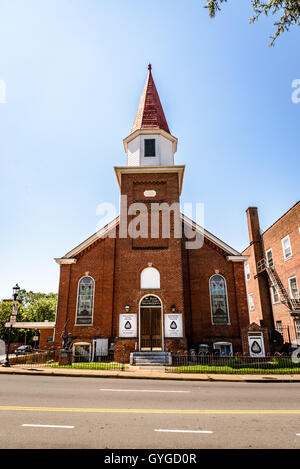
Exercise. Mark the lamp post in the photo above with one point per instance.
(13, 316)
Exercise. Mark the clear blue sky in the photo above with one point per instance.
(74, 72)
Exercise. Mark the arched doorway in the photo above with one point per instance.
(151, 324)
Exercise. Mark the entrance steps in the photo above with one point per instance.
(150, 358)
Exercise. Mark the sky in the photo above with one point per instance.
(72, 73)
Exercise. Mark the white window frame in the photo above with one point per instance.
(267, 251)
(273, 297)
(297, 330)
(251, 305)
(283, 249)
(151, 282)
(291, 291)
(218, 345)
(247, 272)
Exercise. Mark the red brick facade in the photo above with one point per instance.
(267, 311)
(116, 263)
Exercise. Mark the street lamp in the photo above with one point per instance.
(16, 290)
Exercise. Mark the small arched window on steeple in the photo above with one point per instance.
(85, 301)
(218, 300)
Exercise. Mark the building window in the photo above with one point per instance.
(294, 288)
(275, 295)
(85, 302)
(150, 278)
(251, 302)
(247, 272)
(218, 298)
(297, 329)
(82, 352)
(149, 146)
(224, 349)
(286, 247)
(269, 256)
(279, 327)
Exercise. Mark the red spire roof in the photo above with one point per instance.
(150, 114)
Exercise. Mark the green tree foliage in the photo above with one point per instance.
(34, 307)
(286, 11)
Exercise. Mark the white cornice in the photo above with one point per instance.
(32, 325)
(237, 258)
(119, 170)
(62, 260)
(138, 132)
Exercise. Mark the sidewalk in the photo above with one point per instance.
(140, 373)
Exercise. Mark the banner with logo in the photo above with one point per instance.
(128, 325)
(256, 345)
(173, 325)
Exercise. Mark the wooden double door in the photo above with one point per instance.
(151, 329)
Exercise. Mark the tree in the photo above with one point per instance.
(33, 307)
(288, 11)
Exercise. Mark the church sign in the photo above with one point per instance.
(173, 325)
(256, 345)
(128, 325)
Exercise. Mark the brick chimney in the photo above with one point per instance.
(258, 252)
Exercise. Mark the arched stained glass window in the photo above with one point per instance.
(218, 298)
(85, 302)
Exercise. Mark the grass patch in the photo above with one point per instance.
(235, 370)
(90, 366)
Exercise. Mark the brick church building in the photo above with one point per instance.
(133, 291)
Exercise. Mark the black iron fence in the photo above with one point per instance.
(233, 365)
(50, 359)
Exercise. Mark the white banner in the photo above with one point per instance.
(128, 325)
(256, 345)
(173, 325)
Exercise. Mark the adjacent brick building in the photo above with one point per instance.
(272, 274)
(132, 287)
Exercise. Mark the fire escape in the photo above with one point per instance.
(293, 304)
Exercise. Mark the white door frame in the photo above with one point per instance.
(161, 314)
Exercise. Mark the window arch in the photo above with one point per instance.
(218, 300)
(85, 301)
(150, 278)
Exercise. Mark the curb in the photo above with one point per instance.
(123, 375)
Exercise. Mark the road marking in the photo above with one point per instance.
(297, 434)
(151, 411)
(183, 431)
(138, 390)
(46, 426)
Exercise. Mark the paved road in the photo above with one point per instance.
(63, 412)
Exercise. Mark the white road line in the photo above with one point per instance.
(138, 390)
(297, 434)
(47, 426)
(183, 431)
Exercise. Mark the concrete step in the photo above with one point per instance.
(150, 358)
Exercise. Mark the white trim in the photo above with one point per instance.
(272, 288)
(91, 324)
(224, 343)
(211, 312)
(161, 312)
(162, 132)
(291, 292)
(62, 260)
(282, 243)
(237, 258)
(247, 272)
(32, 325)
(119, 170)
(251, 306)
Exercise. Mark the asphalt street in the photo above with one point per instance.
(84, 413)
